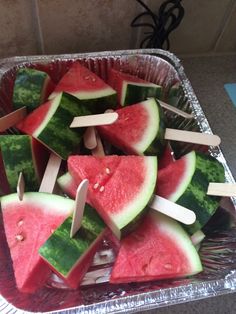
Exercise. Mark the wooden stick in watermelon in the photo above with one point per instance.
(173, 210)
(98, 150)
(50, 175)
(20, 186)
(12, 118)
(80, 200)
(175, 110)
(222, 189)
(90, 140)
(121, 132)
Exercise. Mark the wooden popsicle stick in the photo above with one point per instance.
(90, 140)
(222, 189)
(80, 200)
(20, 188)
(12, 118)
(173, 210)
(192, 137)
(176, 110)
(94, 120)
(98, 150)
(50, 174)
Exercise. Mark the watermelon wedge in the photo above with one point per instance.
(50, 124)
(158, 249)
(82, 83)
(186, 182)
(31, 88)
(139, 129)
(120, 187)
(132, 89)
(28, 224)
(69, 257)
(22, 153)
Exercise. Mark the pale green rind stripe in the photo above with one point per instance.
(152, 129)
(47, 202)
(54, 105)
(174, 231)
(189, 170)
(137, 205)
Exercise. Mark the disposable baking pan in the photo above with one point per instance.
(96, 295)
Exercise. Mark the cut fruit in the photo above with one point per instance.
(22, 153)
(166, 158)
(50, 124)
(139, 129)
(120, 187)
(186, 182)
(132, 89)
(28, 224)
(68, 257)
(158, 249)
(85, 85)
(31, 88)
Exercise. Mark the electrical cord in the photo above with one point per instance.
(169, 17)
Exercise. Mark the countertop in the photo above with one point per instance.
(208, 74)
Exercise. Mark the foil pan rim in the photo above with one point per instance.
(157, 298)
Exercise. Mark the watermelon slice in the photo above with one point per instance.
(120, 187)
(132, 89)
(80, 82)
(69, 257)
(31, 88)
(186, 182)
(22, 153)
(158, 249)
(50, 124)
(166, 158)
(28, 224)
(139, 129)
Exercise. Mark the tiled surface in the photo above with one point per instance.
(17, 28)
(200, 26)
(95, 25)
(79, 26)
(227, 43)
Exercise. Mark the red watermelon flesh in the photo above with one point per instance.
(35, 118)
(82, 83)
(158, 249)
(137, 128)
(171, 177)
(166, 158)
(28, 224)
(119, 186)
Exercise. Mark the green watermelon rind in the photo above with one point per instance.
(177, 233)
(64, 253)
(55, 132)
(28, 88)
(207, 169)
(133, 93)
(17, 155)
(46, 200)
(135, 207)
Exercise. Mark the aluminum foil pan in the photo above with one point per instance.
(96, 295)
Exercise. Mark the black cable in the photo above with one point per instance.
(169, 17)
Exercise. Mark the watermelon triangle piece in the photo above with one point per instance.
(186, 181)
(82, 83)
(28, 224)
(120, 187)
(132, 89)
(158, 249)
(139, 129)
